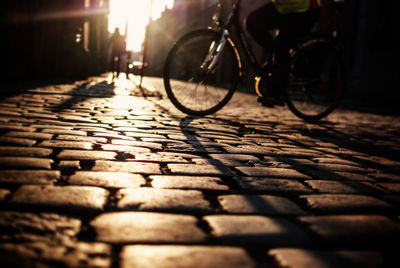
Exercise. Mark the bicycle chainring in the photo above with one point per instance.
(261, 85)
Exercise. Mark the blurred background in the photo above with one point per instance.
(52, 40)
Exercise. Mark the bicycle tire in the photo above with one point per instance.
(188, 88)
(316, 80)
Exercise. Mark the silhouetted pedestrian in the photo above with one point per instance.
(117, 45)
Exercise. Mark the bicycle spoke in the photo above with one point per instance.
(190, 85)
(315, 81)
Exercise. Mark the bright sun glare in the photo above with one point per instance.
(134, 14)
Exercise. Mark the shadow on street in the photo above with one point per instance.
(85, 91)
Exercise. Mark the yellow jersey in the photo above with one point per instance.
(295, 6)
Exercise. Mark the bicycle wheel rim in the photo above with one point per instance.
(190, 89)
(315, 82)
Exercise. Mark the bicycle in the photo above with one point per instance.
(204, 67)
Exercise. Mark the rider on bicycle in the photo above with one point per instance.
(293, 19)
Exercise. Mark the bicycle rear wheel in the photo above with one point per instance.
(315, 84)
(191, 86)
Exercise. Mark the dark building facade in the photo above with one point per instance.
(375, 72)
(45, 39)
(368, 39)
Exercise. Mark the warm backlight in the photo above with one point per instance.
(135, 14)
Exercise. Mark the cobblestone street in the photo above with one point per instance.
(103, 174)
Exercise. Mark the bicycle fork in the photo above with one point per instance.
(214, 53)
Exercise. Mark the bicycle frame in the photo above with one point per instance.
(233, 20)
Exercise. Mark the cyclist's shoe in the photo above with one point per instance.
(268, 101)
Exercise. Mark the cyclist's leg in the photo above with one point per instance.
(118, 65)
(259, 24)
(111, 66)
(292, 28)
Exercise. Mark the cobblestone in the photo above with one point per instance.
(125, 148)
(188, 182)
(15, 127)
(81, 138)
(25, 162)
(185, 256)
(24, 151)
(158, 157)
(337, 175)
(4, 193)
(30, 135)
(43, 255)
(215, 162)
(328, 203)
(146, 227)
(147, 199)
(44, 227)
(253, 230)
(236, 157)
(272, 172)
(67, 197)
(66, 144)
(386, 176)
(354, 229)
(94, 175)
(134, 167)
(69, 165)
(17, 141)
(150, 145)
(259, 204)
(29, 176)
(342, 168)
(202, 170)
(250, 149)
(254, 184)
(189, 148)
(291, 257)
(64, 131)
(393, 187)
(86, 155)
(344, 187)
(107, 179)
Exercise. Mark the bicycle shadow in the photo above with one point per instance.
(11, 89)
(360, 152)
(360, 141)
(364, 153)
(353, 145)
(227, 176)
(363, 147)
(84, 91)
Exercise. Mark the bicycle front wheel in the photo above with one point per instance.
(316, 80)
(196, 84)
